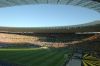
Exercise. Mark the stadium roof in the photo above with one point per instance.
(91, 4)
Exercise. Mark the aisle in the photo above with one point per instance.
(75, 60)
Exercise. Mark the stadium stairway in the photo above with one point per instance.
(75, 60)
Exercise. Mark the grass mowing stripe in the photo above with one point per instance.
(29, 58)
(43, 58)
(17, 49)
(61, 60)
(48, 61)
(26, 53)
(57, 58)
(26, 57)
(37, 57)
(7, 54)
(13, 54)
(13, 58)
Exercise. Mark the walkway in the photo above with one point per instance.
(75, 60)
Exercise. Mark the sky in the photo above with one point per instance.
(46, 15)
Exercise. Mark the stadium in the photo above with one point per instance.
(75, 45)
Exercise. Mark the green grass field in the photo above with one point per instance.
(35, 56)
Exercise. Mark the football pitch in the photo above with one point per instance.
(35, 56)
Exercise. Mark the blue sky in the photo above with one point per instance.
(46, 15)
